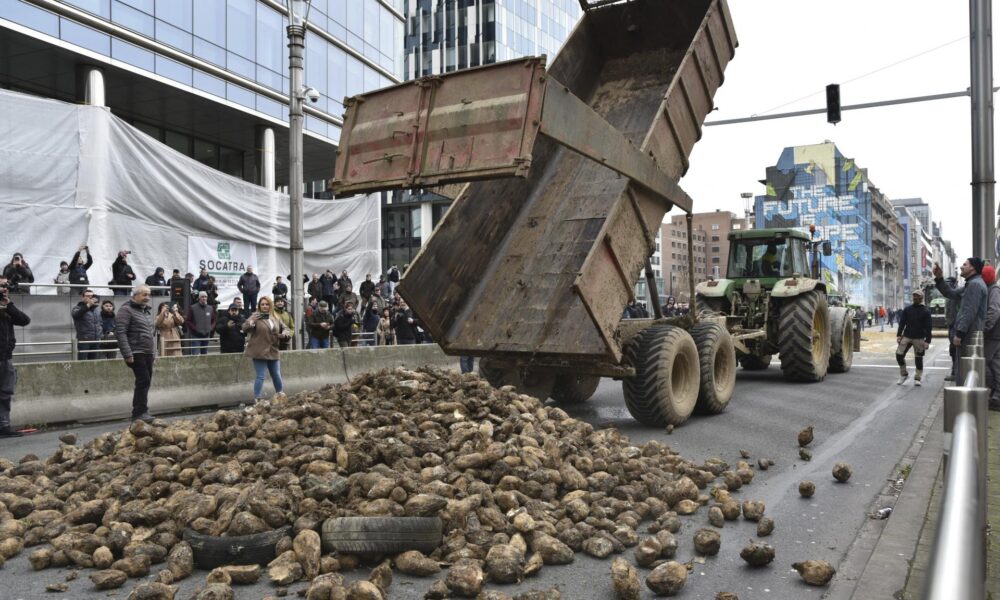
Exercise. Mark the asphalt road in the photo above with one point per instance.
(862, 418)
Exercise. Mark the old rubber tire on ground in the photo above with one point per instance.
(574, 389)
(381, 535)
(211, 551)
(755, 363)
(664, 390)
(533, 383)
(804, 337)
(841, 340)
(717, 365)
(712, 305)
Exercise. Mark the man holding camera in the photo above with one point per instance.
(18, 273)
(122, 274)
(136, 340)
(9, 317)
(89, 327)
(231, 337)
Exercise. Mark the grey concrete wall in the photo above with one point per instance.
(96, 390)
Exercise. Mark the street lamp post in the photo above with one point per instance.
(298, 12)
(746, 208)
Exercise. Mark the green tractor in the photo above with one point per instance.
(775, 303)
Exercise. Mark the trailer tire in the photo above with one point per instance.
(381, 535)
(749, 362)
(664, 389)
(574, 389)
(804, 337)
(842, 340)
(717, 365)
(210, 551)
(713, 305)
(532, 383)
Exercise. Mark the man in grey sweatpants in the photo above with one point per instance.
(972, 310)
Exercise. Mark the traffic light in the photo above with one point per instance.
(833, 103)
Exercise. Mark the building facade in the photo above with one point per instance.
(208, 78)
(817, 185)
(441, 36)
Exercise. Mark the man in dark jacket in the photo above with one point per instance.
(201, 283)
(135, 332)
(158, 280)
(393, 278)
(122, 273)
(991, 340)
(972, 299)
(249, 286)
(343, 325)
(79, 265)
(914, 330)
(369, 323)
(87, 320)
(328, 283)
(200, 323)
(9, 317)
(319, 325)
(279, 289)
(18, 273)
(231, 338)
(315, 287)
(405, 325)
(108, 342)
(367, 288)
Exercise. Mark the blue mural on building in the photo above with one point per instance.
(817, 185)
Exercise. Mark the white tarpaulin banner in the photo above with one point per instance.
(225, 260)
(72, 175)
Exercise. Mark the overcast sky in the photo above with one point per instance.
(789, 49)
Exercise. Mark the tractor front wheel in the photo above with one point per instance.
(804, 337)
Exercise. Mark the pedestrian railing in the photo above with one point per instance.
(958, 555)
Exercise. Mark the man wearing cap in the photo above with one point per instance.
(231, 336)
(319, 325)
(991, 337)
(200, 324)
(914, 330)
(972, 298)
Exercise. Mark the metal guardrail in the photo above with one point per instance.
(958, 555)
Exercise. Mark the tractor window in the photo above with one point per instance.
(801, 263)
(760, 258)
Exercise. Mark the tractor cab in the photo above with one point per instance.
(767, 254)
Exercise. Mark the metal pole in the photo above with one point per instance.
(958, 558)
(296, 45)
(692, 309)
(652, 292)
(981, 62)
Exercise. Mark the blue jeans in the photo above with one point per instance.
(315, 342)
(467, 363)
(199, 345)
(262, 367)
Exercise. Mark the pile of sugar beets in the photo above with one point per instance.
(517, 486)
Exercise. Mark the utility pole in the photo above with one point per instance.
(746, 209)
(298, 11)
(981, 62)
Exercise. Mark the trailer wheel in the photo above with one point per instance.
(842, 340)
(750, 362)
(804, 337)
(532, 383)
(664, 390)
(704, 303)
(574, 389)
(717, 364)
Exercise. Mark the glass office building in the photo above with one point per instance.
(446, 35)
(207, 77)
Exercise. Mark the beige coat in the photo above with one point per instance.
(167, 324)
(263, 337)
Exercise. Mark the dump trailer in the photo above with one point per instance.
(572, 167)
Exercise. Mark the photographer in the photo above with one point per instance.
(18, 273)
(168, 322)
(122, 273)
(79, 265)
(9, 317)
(230, 330)
(89, 325)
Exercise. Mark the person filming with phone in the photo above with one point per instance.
(264, 333)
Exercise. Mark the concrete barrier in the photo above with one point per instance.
(98, 390)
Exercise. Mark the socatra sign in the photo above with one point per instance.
(225, 260)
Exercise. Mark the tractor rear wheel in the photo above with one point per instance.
(750, 362)
(574, 389)
(717, 364)
(804, 337)
(664, 390)
(842, 340)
